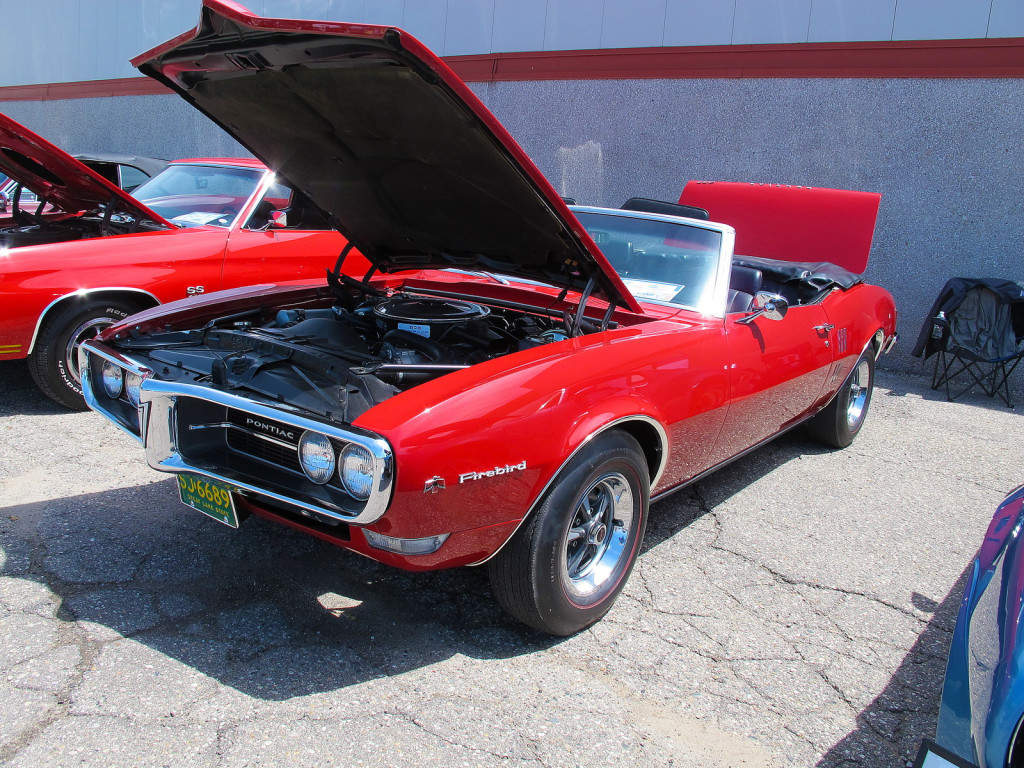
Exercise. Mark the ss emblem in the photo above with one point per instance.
(192, 290)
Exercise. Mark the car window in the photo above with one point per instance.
(278, 195)
(658, 260)
(107, 170)
(131, 177)
(299, 212)
(194, 195)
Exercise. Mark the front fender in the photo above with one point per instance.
(480, 446)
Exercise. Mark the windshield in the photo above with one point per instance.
(194, 195)
(663, 261)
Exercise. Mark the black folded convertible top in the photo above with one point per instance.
(819, 275)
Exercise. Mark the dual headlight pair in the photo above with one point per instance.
(117, 381)
(354, 464)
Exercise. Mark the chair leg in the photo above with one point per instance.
(936, 378)
(1001, 385)
(966, 366)
(993, 378)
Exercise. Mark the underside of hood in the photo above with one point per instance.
(792, 223)
(59, 178)
(382, 136)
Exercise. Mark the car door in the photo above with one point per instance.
(260, 251)
(778, 369)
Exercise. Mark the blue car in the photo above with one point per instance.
(983, 695)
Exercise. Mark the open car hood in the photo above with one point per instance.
(59, 178)
(792, 223)
(411, 167)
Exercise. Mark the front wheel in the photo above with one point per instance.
(839, 422)
(54, 361)
(565, 566)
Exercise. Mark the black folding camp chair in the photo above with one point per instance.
(976, 331)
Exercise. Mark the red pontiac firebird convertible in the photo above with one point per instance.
(515, 380)
(87, 254)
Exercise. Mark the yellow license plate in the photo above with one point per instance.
(209, 497)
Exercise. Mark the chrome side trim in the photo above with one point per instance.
(662, 434)
(82, 293)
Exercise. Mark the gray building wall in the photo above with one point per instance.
(945, 154)
(73, 40)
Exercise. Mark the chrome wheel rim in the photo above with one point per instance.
(858, 400)
(87, 330)
(597, 541)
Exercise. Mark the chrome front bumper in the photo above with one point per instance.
(185, 427)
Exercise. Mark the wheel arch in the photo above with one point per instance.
(647, 431)
(137, 296)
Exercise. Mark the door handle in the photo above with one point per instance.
(825, 327)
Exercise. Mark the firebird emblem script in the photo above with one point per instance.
(492, 472)
(436, 483)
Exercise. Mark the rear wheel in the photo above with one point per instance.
(840, 421)
(565, 566)
(54, 361)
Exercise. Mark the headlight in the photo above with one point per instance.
(132, 385)
(316, 454)
(356, 471)
(113, 379)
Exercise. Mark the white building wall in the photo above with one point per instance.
(74, 40)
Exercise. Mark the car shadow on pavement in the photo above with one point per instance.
(266, 610)
(673, 513)
(889, 730)
(21, 396)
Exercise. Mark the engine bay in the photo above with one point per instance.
(45, 225)
(340, 361)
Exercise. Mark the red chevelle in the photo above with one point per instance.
(88, 254)
(514, 380)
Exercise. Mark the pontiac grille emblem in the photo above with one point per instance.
(268, 428)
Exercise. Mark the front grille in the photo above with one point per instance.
(254, 446)
(259, 448)
(253, 449)
(263, 438)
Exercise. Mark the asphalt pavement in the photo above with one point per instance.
(794, 609)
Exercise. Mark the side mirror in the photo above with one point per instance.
(771, 306)
(278, 220)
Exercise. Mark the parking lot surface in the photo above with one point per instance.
(794, 609)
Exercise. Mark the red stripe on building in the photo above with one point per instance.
(994, 58)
